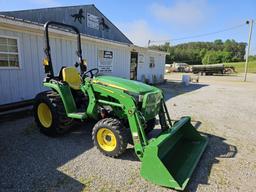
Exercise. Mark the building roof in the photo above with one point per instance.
(28, 26)
(24, 24)
(87, 18)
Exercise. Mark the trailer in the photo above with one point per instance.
(212, 69)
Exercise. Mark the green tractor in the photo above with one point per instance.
(126, 112)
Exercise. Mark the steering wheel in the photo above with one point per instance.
(91, 72)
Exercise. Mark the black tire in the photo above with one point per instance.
(60, 123)
(150, 124)
(119, 134)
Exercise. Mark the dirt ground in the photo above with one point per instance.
(223, 107)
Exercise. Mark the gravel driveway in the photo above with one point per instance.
(222, 107)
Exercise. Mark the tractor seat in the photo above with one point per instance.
(71, 76)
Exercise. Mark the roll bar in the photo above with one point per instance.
(47, 49)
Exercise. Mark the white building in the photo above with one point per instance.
(22, 44)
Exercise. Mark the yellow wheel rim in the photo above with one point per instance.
(44, 115)
(106, 139)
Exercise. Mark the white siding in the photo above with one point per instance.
(24, 83)
(144, 69)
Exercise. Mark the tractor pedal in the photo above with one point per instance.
(78, 115)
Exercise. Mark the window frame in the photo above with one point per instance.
(19, 52)
(152, 65)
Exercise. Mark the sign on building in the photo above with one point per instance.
(93, 21)
(105, 61)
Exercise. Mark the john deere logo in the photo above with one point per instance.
(78, 16)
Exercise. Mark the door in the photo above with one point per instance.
(133, 65)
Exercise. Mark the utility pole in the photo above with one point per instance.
(248, 49)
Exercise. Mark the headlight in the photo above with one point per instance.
(136, 96)
(141, 98)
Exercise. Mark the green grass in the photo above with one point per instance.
(239, 66)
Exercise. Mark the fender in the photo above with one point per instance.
(65, 93)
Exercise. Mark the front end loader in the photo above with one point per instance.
(126, 112)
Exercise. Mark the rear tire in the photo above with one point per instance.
(50, 115)
(109, 136)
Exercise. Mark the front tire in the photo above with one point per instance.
(49, 115)
(109, 136)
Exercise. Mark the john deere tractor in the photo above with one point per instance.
(126, 111)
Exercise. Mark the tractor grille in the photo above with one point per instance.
(151, 104)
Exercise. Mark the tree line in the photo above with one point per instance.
(204, 52)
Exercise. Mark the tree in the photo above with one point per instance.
(226, 57)
(218, 42)
(197, 52)
(213, 57)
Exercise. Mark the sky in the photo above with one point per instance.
(166, 20)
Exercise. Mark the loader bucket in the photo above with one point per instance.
(170, 159)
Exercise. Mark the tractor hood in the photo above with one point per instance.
(124, 84)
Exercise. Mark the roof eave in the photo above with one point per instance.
(38, 26)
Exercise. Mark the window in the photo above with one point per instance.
(9, 53)
(151, 62)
